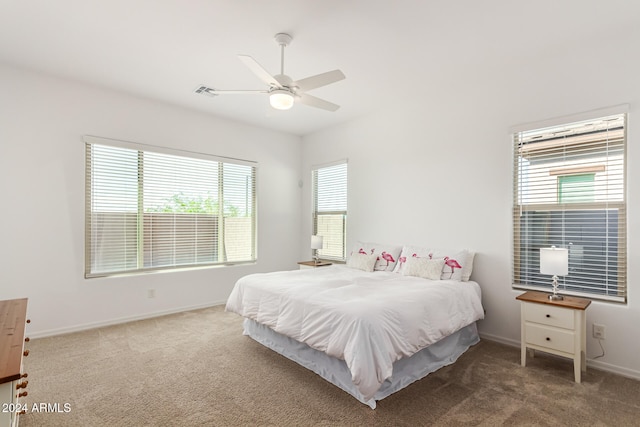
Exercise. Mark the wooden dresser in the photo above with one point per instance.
(13, 382)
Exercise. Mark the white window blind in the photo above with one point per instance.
(330, 209)
(150, 210)
(569, 184)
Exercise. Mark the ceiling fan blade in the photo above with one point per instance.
(312, 101)
(260, 72)
(236, 92)
(319, 80)
(209, 91)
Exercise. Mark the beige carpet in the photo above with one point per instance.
(196, 369)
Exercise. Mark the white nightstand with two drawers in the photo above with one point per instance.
(556, 327)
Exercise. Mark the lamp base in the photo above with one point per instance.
(554, 296)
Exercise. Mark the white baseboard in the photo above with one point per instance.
(603, 366)
(592, 363)
(501, 340)
(94, 325)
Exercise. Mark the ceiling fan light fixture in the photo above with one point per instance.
(281, 99)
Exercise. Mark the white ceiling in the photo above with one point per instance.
(389, 50)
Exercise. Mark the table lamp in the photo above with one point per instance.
(554, 261)
(316, 243)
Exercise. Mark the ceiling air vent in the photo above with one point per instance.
(204, 90)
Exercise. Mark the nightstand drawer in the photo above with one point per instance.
(555, 339)
(549, 315)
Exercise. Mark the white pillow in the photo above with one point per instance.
(411, 252)
(363, 262)
(386, 255)
(458, 265)
(424, 267)
(468, 267)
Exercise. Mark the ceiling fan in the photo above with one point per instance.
(283, 90)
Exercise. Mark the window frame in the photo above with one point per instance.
(142, 213)
(325, 253)
(617, 255)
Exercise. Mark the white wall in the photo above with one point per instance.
(42, 120)
(436, 170)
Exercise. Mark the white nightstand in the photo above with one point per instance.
(312, 264)
(556, 327)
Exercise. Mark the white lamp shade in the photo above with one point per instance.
(316, 242)
(554, 261)
(281, 99)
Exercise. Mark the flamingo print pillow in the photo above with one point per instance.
(386, 255)
(453, 264)
(453, 261)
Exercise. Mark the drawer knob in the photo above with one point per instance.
(28, 320)
(548, 339)
(548, 315)
(25, 375)
(23, 394)
(25, 353)
(24, 411)
(22, 385)
(27, 339)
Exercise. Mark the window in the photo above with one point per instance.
(150, 208)
(576, 188)
(569, 191)
(330, 209)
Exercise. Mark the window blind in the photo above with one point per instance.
(150, 210)
(330, 209)
(569, 192)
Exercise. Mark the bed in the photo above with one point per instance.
(369, 329)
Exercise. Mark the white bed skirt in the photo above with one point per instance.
(405, 371)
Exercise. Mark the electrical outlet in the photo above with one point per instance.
(598, 331)
(151, 293)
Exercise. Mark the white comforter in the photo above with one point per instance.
(369, 320)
